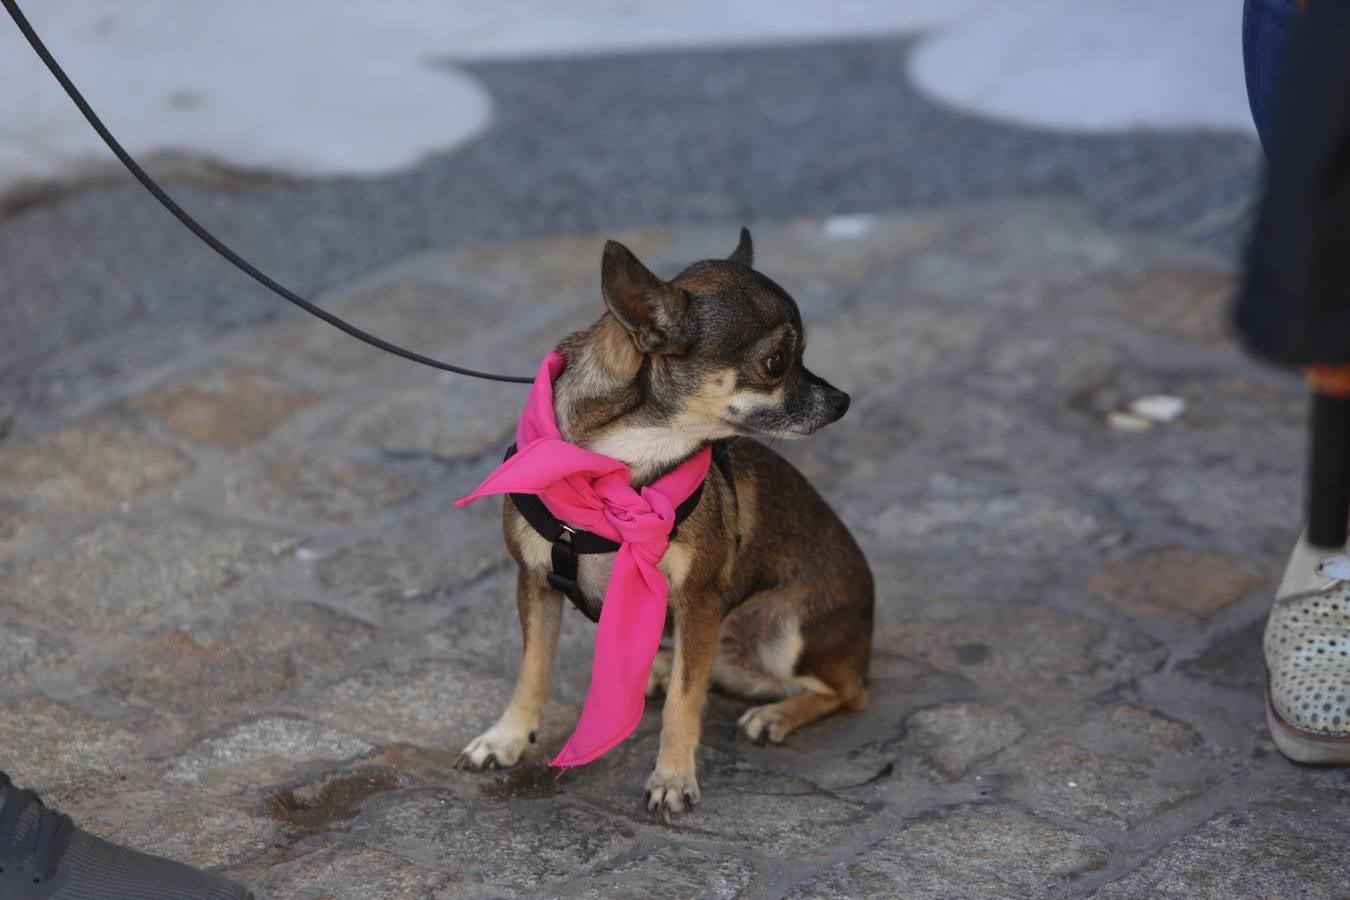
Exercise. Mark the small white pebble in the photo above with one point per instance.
(849, 227)
(1123, 421)
(1159, 407)
(1337, 567)
(1073, 784)
(304, 554)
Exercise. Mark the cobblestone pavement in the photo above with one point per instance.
(246, 628)
(691, 136)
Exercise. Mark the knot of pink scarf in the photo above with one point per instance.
(593, 492)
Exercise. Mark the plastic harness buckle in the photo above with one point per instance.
(563, 577)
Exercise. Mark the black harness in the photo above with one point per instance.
(570, 543)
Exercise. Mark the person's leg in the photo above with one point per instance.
(1266, 25)
(1307, 637)
(43, 856)
(1328, 483)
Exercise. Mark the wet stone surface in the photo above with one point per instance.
(1189, 302)
(970, 851)
(416, 559)
(245, 626)
(1171, 581)
(159, 817)
(955, 736)
(1043, 654)
(264, 749)
(1061, 778)
(321, 489)
(24, 650)
(89, 466)
(133, 571)
(434, 421)
(671, 872)
(347, 872)
(538, 845)
(1259, 851)
(204, 671)
(58, 746)
(228, 408)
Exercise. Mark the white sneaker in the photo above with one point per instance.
(1307, 648)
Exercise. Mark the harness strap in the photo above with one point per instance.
(569, 543)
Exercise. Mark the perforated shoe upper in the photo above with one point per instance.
(1307, 649)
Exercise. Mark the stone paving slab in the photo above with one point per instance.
(244, 626)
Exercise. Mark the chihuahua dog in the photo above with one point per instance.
(770, 596)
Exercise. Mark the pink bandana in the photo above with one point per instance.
(594, 493)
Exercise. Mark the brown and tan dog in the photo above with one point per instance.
(770, 597)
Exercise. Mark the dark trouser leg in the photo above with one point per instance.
(1328, 500)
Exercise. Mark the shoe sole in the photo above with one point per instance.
(1304, 746)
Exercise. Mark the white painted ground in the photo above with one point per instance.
(1093, 65)
(280, 85)
(323, 88)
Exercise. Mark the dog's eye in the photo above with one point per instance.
(776, 364)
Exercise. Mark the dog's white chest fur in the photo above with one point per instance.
(593, 571)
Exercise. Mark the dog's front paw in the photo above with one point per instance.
(671, 793)
(765, 723)
(495, 748)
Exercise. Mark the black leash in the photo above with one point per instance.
(210, 239)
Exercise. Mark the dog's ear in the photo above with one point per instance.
(745, 250)
(655, 313)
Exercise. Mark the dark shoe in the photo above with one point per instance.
(43, 856)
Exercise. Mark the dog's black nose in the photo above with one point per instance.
(838, 402)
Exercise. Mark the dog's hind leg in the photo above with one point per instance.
(540, 610)
(659, 677)
(775, 721)
(765, 653)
